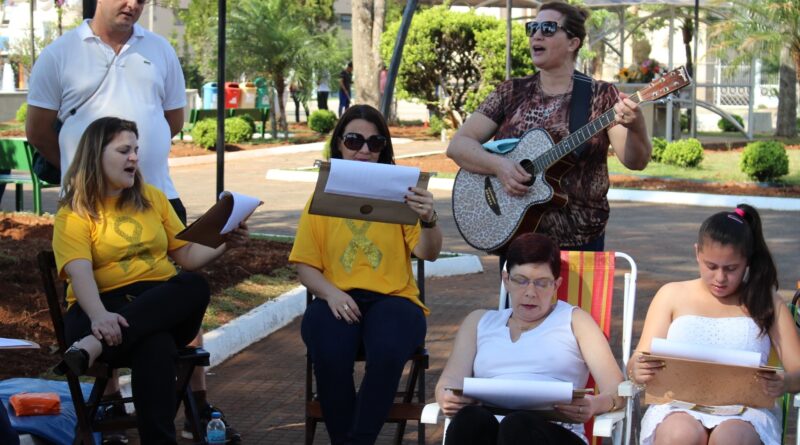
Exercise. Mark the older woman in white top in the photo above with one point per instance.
(538, 338)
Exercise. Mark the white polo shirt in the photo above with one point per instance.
(144, 81)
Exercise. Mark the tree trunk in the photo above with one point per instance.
(368, 25)
(283, 124)
(787, 96)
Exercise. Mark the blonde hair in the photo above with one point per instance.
(84, 182)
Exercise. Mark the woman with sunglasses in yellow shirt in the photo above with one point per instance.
(366, 296)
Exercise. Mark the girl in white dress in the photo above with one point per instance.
(734, 304)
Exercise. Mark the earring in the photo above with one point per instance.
(746, 275)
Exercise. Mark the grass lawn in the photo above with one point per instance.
(717, 166)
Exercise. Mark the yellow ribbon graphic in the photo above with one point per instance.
(362, 243)
(136, 250)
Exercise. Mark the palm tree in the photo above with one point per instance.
(766, 27)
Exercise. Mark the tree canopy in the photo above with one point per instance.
(452, 60)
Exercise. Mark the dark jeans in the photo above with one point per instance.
(322, 100)
(344, 102)
(390, 330)
(8, 436)
(477, 425)
(177, 205)
(162, 317)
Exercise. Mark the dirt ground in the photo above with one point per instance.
(23, 306)
(441, 163)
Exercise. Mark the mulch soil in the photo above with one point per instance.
(23, 306)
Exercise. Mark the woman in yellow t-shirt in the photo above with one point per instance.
(113, 239)
(361, 274)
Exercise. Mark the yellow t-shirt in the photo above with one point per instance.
(123, 246)
(355, 254)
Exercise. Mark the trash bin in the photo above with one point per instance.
(249, 91)
(233, 95)
(210, 95)
(262, 93)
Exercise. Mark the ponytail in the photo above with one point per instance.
(742, 229)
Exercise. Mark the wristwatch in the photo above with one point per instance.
(429, 224)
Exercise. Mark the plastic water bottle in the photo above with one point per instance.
(215, 432)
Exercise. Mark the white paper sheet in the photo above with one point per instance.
(16, 343)
(371, 179)
(243, 206)
(518, 394)
(671, 348)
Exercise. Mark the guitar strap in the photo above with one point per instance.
(580, 105)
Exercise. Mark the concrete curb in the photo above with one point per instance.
(260, 153)
(651, 196)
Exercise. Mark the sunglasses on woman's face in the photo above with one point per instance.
(355, 141)
(548, 28)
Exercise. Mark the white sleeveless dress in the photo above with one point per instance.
(547, 352)
(727, 332)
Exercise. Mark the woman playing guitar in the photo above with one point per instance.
(543, 101)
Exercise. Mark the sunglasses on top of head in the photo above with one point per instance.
(549, 28)
(355, 141)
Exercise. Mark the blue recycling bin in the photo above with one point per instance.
(210, 95)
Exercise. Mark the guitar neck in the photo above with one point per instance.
(576, 139)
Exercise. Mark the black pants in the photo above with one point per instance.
(8, 436)
(476, 425)
(162, 317)
(322, 100)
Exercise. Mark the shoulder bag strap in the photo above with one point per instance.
(580, 105)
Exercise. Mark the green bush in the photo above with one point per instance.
(204, 133)
(250, 121)
(238, 130)
(764, 160)
(22, 112)
(684, 122)
(322, 121)
(725, 125)
(683, 153)
(436, 125)
(659, 145)
(326, 149)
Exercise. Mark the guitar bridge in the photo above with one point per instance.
(491, 196)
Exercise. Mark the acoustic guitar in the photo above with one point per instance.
(489, 218)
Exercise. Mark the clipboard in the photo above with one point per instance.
(206, 229)
(706, 383)
(367, 209)
(549, 414)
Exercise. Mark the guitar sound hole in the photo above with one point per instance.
(528, 166)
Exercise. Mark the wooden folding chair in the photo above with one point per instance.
(588, 282)
(86, 409)
(405, 408)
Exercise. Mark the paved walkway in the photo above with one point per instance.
(261, 388)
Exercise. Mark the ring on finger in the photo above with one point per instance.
(580, 410)
(346, 307)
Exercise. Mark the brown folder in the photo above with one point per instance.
(706, 383)
(367, 209)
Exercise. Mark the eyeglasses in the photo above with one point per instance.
(355, 141)
(548, 28)
(521, 282)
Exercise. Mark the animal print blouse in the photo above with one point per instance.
(518, 105)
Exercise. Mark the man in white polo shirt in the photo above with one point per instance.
(110, 66)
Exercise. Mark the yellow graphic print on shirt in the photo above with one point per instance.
(360, 242)
(136, 250)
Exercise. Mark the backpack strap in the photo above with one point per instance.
(580, 105)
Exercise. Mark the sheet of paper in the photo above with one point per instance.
(16, 343)
(518, 394)
(371, 180)
(671, 348)
(243, 206)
